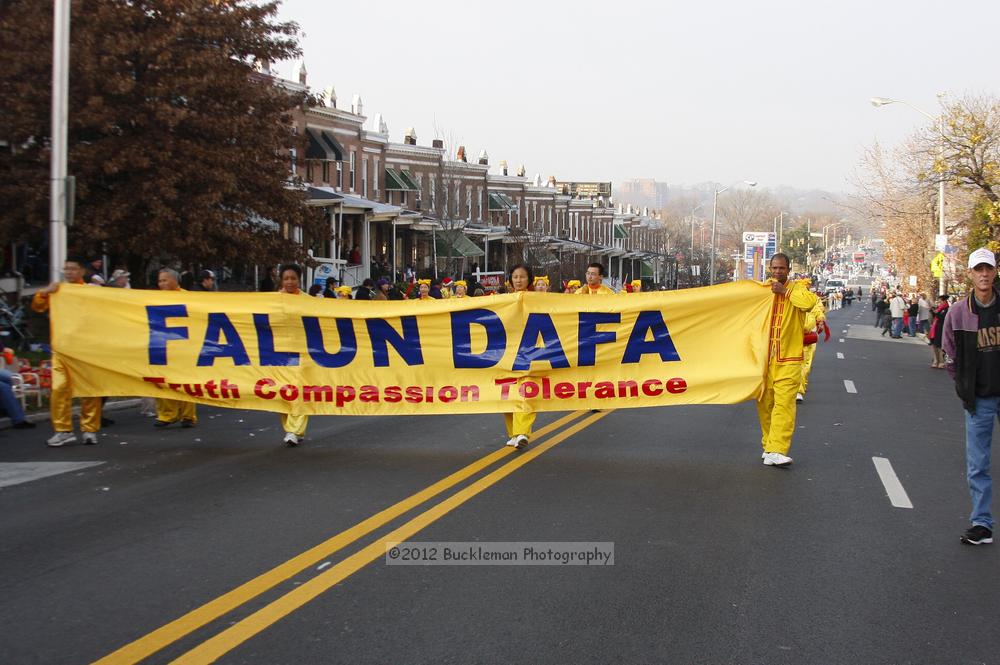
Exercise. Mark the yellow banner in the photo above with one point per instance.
(515, 352)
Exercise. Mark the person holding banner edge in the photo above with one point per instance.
(61, 401)
(776, 405)
(519, 423)
(595, 281)
(290, 279)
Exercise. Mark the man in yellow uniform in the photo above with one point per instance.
(595, 281)
(61, 402)
(814, 323)
(169, 411)
(776, 406)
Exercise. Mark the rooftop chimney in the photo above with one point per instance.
(520, 170)
(330, 97)
(551, 182)
(300, 71)
(357, 106)
(437, 143)
(263, 66)
(503, 166)
(484, 159)
(411, 136)
(461, 154)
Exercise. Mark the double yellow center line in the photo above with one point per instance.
(220, 644)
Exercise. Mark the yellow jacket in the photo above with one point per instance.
(815, 315)
(587, 291)
(788, 320)
(40, 301)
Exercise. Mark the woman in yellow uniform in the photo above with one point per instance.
(461, 289)
(572, 285)
(813, 323)
(169, 411)
(542, 283)
(290, 279)
(519, 423)
(424, 289)
(343, 293)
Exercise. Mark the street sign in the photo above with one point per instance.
(940, 242)
(913, 280)
(937, 265)
(758, 248)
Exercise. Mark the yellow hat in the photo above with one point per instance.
(636, 282)
(344, 289)
(542, 278)
(461, 282)
(424, 281)
(573, 283)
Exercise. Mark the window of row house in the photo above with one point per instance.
(458, 201)
(364, 177)
(326, 172)
(468, 202)
(433, 193)
(353, 162)
(340, 175)
(291, 157)
(309, 170)
(375, 173)
(479, 201)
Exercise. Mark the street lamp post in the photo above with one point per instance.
(60, 124)
(883, 101)
(715, 210)
(691, 256)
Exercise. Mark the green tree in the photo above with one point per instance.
(179, 148)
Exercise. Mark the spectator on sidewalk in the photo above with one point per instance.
(923, 314)
(972, 344)
(9, 402)
(896, 308)
(936, 332)
(913, 311)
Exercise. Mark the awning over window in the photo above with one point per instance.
(620, 232)
(451, 244)
(392, 181)
(647, 269)
(323, 146)
(408, 180)
(501, 203)
(540, 256)
(334, 144)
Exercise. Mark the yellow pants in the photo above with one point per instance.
(519, 422)
(776, 407)
(807, 362)
(61, 403)
(172, 410)
(296, 424)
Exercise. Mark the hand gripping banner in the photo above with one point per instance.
(515, 352)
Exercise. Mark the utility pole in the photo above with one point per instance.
(58, 203)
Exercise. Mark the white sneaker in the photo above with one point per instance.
(90, 438)
(61, 439)
(799, 397)
(520, 441)
(776, 459)
(291, 439)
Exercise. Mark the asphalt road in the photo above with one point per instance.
(717, 559)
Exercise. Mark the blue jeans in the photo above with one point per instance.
(8, 402)
(897, 326)
(978, 437)
(913, 326)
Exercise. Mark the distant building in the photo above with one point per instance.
(585, 190)
(644, 192)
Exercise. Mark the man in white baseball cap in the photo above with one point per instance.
(972, 342)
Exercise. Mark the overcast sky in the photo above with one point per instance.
(683, 92)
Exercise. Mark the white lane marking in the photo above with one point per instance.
(848, 325)
(841, 340)
(849, 385)
(843, 332)
(840, 356)
(897, 495)
(15, 473)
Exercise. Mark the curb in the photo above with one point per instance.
(46, 416)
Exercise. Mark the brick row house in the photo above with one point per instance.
(404, 209)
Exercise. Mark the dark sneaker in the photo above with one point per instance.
(160, 423)
(187, 423)
(977, 535)
(24, 424)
